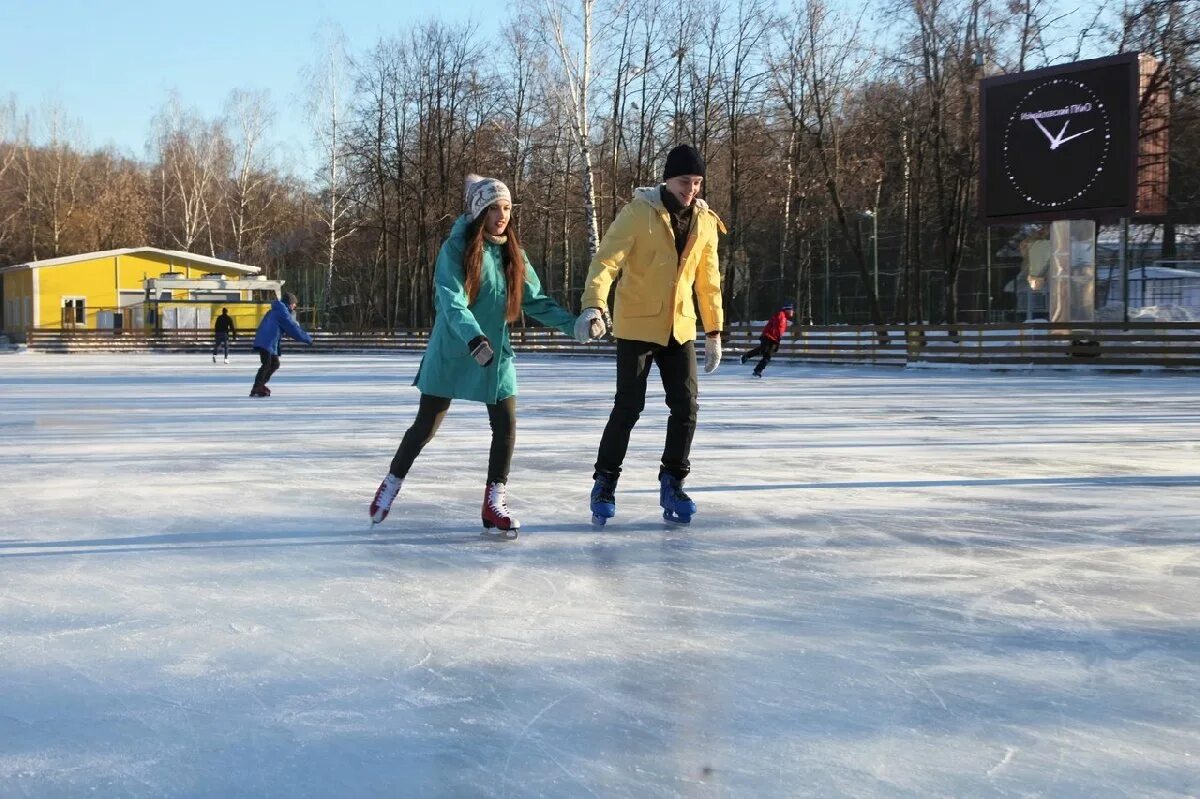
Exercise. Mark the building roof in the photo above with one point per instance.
(179, 255)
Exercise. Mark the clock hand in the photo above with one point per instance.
(1074, 135)
(1049, 136)
(1058, 140)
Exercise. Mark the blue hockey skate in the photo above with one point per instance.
(677, 506)
(604, 501)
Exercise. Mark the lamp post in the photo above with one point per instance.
(988, 272)
(825, 295)
(875, 249)
(871, 214)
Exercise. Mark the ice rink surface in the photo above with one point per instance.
(900, 583)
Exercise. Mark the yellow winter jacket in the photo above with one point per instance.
(654, 292)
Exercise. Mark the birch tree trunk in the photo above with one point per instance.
(578, 84)
(327, 98)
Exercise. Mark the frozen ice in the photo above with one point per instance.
(900, 583)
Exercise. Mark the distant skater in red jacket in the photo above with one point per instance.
(772, 334)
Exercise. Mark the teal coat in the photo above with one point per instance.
(448, 370)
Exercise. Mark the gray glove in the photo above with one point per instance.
(591, 324)
(481, 350)
(712, 353)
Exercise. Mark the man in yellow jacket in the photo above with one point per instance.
(662, 246)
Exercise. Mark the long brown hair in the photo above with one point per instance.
(514, 266)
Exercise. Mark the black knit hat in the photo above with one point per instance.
(683, 160)
(289, 299)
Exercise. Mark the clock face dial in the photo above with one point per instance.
(1060, 143)
(1057, 143)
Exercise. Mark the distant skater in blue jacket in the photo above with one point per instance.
(280, 321)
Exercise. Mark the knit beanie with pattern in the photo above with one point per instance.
(482, 192)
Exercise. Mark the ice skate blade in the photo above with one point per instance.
(674, 518)
(495, 533)
(598, 520)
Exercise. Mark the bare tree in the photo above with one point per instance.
(788, 71)
(119, 207)
(742, 75)
(53, 176)
(834, 65)
(1169, 30)
(943, 47)
(248, 117)
(443, 89)
(1036, 21)
(705, 77)
(372, 149)
(327, 105)
(191, 157)
(519, 99)
(652, 91)
(622, 73)
(574, 86)
(9, 209)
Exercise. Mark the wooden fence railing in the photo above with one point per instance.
(1099, 344)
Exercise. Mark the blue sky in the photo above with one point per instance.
(111, 64)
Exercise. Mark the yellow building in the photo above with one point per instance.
(141, 288)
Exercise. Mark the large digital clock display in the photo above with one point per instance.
(1060, 143)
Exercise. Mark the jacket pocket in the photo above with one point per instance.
(637, 307)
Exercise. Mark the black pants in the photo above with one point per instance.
(270, 365)
(766, 348)
(677, 367)
(502, 416)
(221, 341)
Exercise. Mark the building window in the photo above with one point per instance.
(74, 311)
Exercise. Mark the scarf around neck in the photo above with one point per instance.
(681, 218)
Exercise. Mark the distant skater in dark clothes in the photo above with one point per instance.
(223, 330)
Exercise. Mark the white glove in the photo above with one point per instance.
(712, 353)
(590, 325)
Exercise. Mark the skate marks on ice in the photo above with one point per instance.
(900, 620)
(169, 542)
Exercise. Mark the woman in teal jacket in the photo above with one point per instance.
(482, 283)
